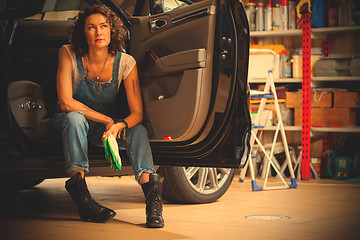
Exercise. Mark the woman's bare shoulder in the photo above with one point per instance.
(127, 56)
(66, 52)
(127, 60)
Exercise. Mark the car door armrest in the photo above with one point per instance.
(178, 62)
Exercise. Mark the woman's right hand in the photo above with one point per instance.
(109, 124)
(113, 130)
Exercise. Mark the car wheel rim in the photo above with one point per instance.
(206, 180)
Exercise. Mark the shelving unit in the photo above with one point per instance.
(336, 78)
(318, 129)
(317, 34)
(276, 80)
(336, 130)
(287, 33)
(336, 29)
(286, 128)
(298, 32)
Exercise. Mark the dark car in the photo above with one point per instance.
(192, 58)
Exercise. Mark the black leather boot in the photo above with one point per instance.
(152, 193)
(87, 207)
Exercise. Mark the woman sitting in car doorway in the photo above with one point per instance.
(90, 71)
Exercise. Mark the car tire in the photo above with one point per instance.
(182, 185)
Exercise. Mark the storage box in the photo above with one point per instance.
(346, 99)
(260, 64)
(318, 99)
(328, 116)
(337, 65)
(342, 167)
(266, 120)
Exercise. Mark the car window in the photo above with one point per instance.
(55, 15)
(129, 5)
(59, 10)
(168, 5)
(150, 7)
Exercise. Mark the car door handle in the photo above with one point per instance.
(157, 24)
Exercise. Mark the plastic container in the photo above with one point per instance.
(268, 17)
(297, 61)
(266, 63)
(276, 17)
(292, 14)
(288, 68)
(284, 15)
(250, 13)
(316, 54)
(297, 66)
(284, 71)
(260, 17)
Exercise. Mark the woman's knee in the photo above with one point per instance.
(139, 131)
(75, 117)
(74, 120)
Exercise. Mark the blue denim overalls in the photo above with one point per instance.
(76, 131)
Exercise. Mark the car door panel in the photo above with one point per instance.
(175, 70)
(177, 62)
(180, 110)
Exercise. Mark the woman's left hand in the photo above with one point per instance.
(113, 130)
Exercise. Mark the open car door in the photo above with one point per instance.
(192, 63)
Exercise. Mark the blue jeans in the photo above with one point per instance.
(76, 132)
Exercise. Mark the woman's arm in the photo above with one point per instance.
(133, 93)
(64, 91)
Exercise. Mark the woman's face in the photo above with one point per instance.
(97, 31)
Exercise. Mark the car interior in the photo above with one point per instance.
(174, 57)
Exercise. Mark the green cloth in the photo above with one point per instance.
(112, 152)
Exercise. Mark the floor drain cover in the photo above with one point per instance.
(267, 217)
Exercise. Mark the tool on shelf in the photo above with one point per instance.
(299, 6)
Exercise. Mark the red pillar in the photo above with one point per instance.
(306, 96)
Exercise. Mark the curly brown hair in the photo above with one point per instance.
(118, 30)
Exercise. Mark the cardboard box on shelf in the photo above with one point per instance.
(346, 99)
(336, 99)
(343, 117)
(318, 99)
(281, 92)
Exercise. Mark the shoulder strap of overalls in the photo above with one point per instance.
(80, 66)
(115, 73)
